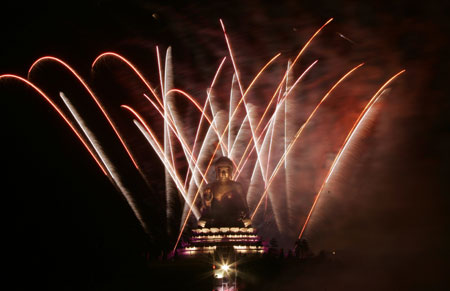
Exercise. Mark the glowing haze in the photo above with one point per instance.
(262, 131)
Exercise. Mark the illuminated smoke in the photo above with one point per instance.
(262, 134)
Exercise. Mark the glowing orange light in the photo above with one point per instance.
(138, 73)
(161, 155)
(217, 147)
(180, 138)
(297, 135)
(290, 69)
(241, 164)
(344, 145)
(203, 110)
(116, 131)
(190, 98)
(64, 117)
(253, 131)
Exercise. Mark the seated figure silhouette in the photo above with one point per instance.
(223, 201)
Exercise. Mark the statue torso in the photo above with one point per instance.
(227, 205)
(225, 190)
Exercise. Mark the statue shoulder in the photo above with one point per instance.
(237, 183)
(237, 186)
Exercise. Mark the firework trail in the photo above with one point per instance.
(259, 139)
(353, 132)
(89, 142)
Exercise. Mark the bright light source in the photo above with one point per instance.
(225, 267)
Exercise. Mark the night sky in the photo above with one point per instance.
(66, 226)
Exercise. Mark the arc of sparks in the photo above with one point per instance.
(190, 98)
(243, 161)
(91, 93)
(132, 67)
(188, 152)
(208, 95)
(92, 151)
(285, 75)
(63, 116)
(272, 131)
(217, 147)
(87, 133)
(344, 146)
(230, 120)
(193, 202)
(291, 67)
(114, 177)
(299, 132)
(236, 72)
(198, 187)
(225, 130)
(240, 101)
(160, 151)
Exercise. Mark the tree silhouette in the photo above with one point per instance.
(301, 248)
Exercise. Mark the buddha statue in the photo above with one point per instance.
(223, 201)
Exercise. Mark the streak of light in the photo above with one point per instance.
(157, 146)
(193, 202)
(150, 136)
(115, 178)
(235, 110)
(230, 110)
(285, 76)
(346, 38)
(158, 58)
(347, 140)
(174, 128)
(188, 153)
(281, 161)
(238, 134)
(168, 151)
(129, 64)
(248, 89)
(236, 71)
(253, 82)
(215, 124)
(202, 156)
(116, 131)
(299, 132)
(291, 67)
(64, 117)
(242, 162)
(87, 133)
(203, 110)
(167, 137)
(270, 147)
(220, 136)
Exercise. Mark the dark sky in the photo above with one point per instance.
(64, 220)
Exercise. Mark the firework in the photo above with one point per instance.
(241, 132)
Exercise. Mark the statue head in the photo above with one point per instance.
(224, 169)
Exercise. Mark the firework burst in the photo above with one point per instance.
(261, 133)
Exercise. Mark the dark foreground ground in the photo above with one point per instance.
(322, 272)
